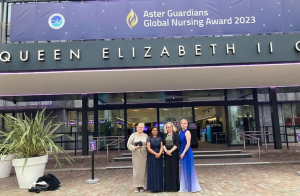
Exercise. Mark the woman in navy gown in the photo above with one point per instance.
(155, 162)
(188, 176)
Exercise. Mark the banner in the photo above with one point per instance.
(145, 19)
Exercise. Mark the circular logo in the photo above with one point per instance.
(56, 21)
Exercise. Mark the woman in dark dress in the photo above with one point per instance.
(171, 143)
(155, 162)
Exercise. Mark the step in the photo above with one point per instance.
(223, 156)
(199, 162)
(202, 152)
(205, 156)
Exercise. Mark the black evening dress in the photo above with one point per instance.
(171, 171)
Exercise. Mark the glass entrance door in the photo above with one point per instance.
(141, 115)
(174, 115)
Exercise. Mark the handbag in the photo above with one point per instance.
(138, 143)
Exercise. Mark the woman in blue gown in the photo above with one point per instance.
(155, 168)
(188, 176)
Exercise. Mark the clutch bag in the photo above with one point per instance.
(138, 143)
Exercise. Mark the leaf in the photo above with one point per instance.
(32, 137)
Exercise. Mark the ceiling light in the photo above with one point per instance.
(123, 100)
(150, 108)
(173, 97)
(196, 108)
(135, 110)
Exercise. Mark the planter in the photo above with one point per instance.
(6, 165)
(34, 169)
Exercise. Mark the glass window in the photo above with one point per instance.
(110, 98)
(72, 122)
(288, 121)
(149, 97)
(240, 118)
(174, 115)
(207, 95)
(263, 95)
(210, 119)
(239, 94)
(288, 93)
(141, 115)
(296, 112)
(287, 114)
(111, 122)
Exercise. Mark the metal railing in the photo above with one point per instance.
(253, 135)
(65, 140)
(109, 141)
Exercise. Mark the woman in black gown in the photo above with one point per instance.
(171, 156)
(155, 162)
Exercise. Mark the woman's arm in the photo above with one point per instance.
(161, 148)
(188, 143)
(130, 145)
(175, 141)
(149, 148)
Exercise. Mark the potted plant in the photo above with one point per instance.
(32, 140)
(5, 162)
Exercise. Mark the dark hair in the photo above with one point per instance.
(152, 130)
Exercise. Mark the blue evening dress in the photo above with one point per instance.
(188, 176)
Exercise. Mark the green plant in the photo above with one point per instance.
(32, 137)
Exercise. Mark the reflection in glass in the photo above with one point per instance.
(239, 94)
(110, 98)
(111, 123)
(141, 115)
(174, 115)
(240, 118)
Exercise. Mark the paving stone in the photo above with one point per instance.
(233, 180)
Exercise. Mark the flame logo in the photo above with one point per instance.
(131, 19)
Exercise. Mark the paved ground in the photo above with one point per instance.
(273, 180)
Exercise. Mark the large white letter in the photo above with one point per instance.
(120, 54)
(213, 48)
(105, 51)
(146, 54)
(271, 47)
(164, 51)
(181, 51)
(5, 58)
(230, 48)
(297, 46)
(197, 50)
(57, 55)
(76, 55)
(133, 52)
(26, 57)
(40, 55)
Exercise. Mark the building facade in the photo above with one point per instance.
(103, 87)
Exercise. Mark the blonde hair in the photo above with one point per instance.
(140, 124)
(185, 120)
(165, 128)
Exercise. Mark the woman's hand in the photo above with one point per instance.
(182, 155)
(169, 153)
(157, 155)
(137, 147)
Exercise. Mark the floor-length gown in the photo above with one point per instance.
(188, 176)
(155, 166)
(171, 171)
(139, 159)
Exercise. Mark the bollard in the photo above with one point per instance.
(92, 148)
